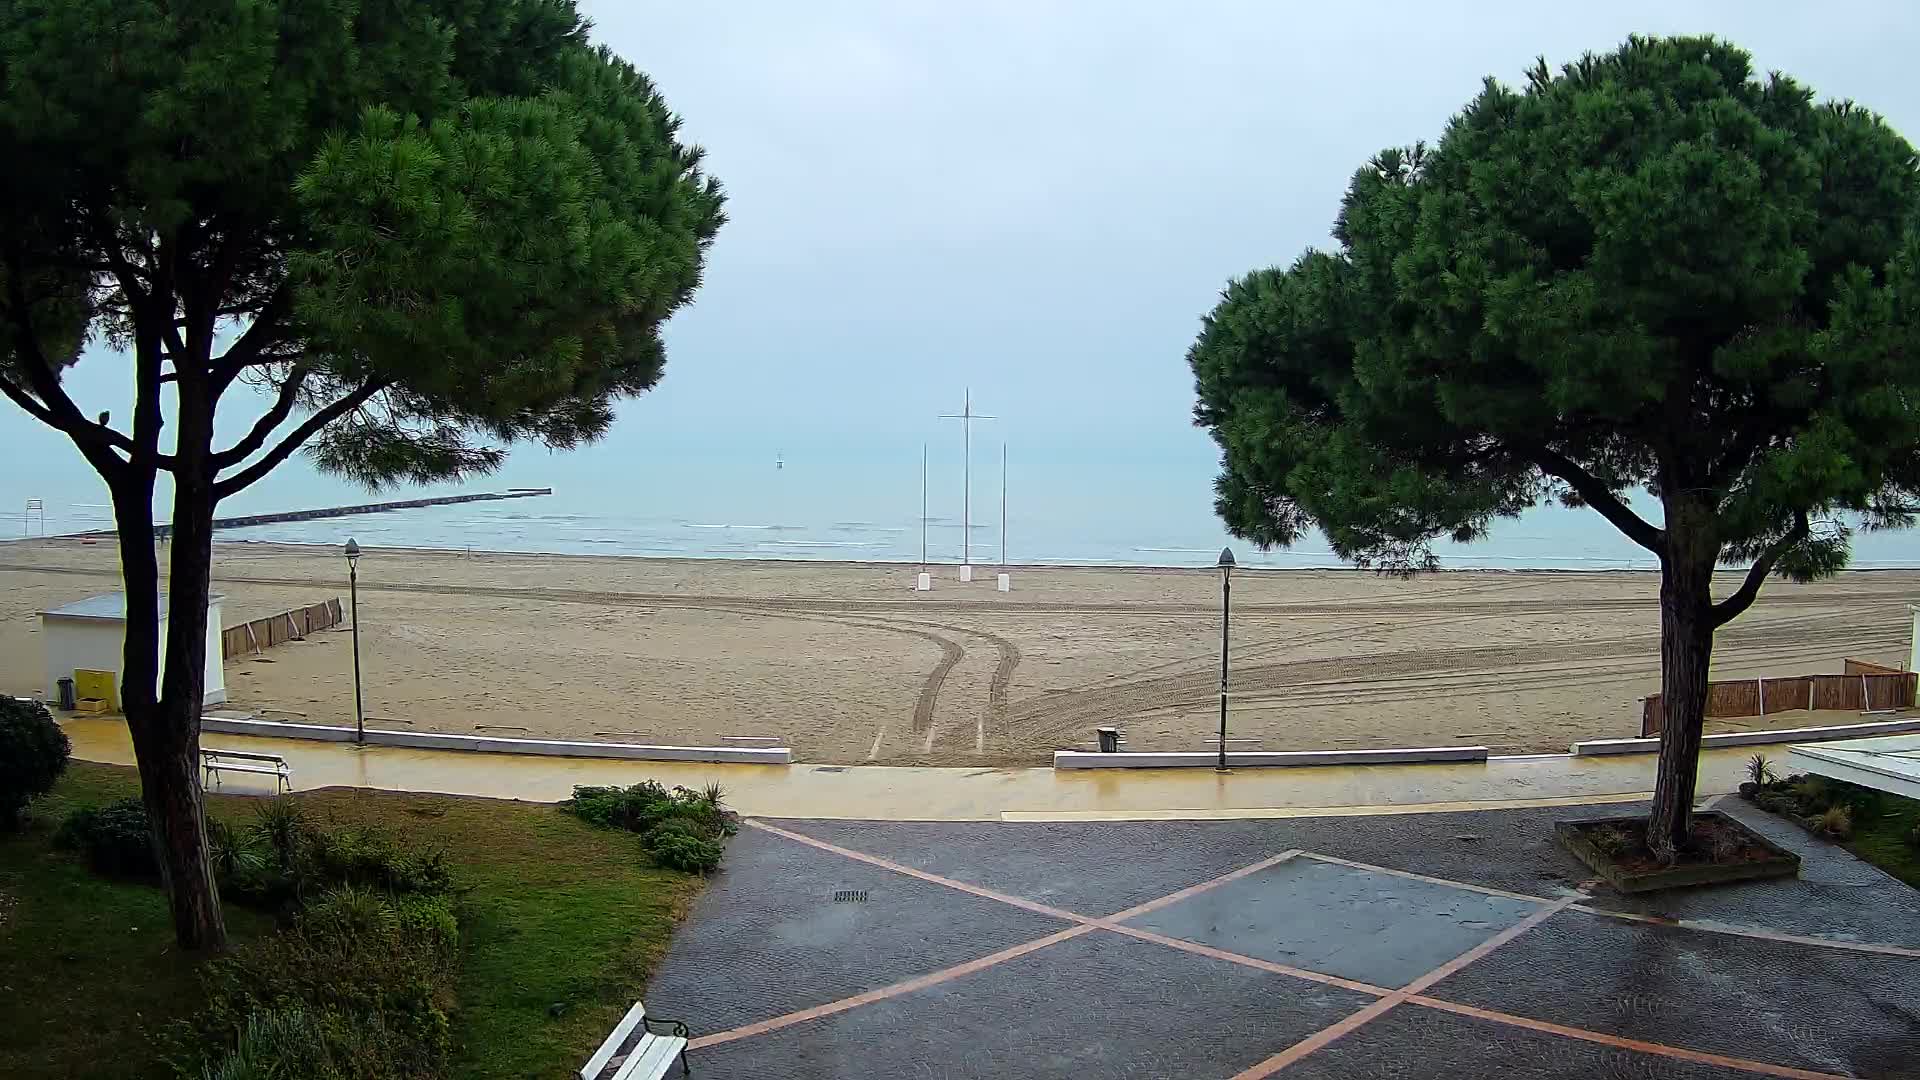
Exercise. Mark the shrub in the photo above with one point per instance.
(1813, 794)
(681, 844)
(115, 838)
(682, 829)
(1760, 771)
(369, 857)
(33, 754)
(358, 987)
(1835, 821)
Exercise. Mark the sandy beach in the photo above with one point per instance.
(845, 663)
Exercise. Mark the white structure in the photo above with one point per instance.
(1890, 764)
(923, 583)
(1913, 649)
(1005, 582)
(91, 636)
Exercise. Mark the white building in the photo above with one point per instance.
(91, 636)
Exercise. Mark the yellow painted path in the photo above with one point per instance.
(891, 793)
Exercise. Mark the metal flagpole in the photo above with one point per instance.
(966, 416)
(923, 507)
(1003, 505)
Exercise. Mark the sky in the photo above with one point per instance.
(1035, 200)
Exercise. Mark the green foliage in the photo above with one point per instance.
(1760, 770)
(682, 844)
(359, 987)
(33, 754)
(550, 910)
(458, 207)
(682, 829)
(115, 838)
(1813, 794)
(1653, 268)
(1835, 821)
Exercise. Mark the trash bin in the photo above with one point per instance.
(66, 694)
(1109, 739)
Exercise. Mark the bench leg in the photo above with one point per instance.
(684, 1071)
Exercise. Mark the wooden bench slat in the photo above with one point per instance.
(210, 752)
(611, 1046)
(652, 1058)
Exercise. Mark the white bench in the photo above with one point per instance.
(214, 762)
(636, 1052)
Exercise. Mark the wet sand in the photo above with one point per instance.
(845, 663)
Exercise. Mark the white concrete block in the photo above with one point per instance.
(966, 571)
(1004, 582)
(923, 583)
(1753, 738)
(1242, 759)
(428, 740)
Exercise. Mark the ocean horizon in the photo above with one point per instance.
(838, 508)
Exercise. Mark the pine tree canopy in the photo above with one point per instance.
(1650, 270)
(425, 228)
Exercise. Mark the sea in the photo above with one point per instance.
(1143, 509)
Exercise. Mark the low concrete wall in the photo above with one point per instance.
(427, 740)
(1753, 738)
(1260, 759)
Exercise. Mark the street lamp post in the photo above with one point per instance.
(353, 591)
(1226, 609)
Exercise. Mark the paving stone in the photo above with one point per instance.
(1100, 1005)
(1378, 928)
(768, 938)
(1809, 1007)
(1836, 895)
(1411, 1043)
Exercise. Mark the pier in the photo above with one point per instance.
(162, 531)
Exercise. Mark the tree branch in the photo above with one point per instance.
(263, 427)
(96, 441)
(1596, 494)
(295, 439)
(246, 351)
(1727, 610)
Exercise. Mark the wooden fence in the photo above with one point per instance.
(1865, 687)
(249, 638)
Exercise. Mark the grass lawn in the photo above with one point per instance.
(556, 917)
(1881, 836)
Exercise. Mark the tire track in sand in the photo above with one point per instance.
(998, 687)
(951, 654)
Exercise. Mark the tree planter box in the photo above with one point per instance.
(1776, 862)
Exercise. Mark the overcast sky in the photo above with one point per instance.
(1040, 200)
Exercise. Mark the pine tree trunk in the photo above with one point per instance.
(1686, 654)
(165, 727)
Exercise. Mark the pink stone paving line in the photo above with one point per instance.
(1758, 932)
(1661, 1049)
(1388, 999)
(1327, 1035)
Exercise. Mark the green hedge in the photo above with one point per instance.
(681, 829)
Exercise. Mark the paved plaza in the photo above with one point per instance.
(1415, 945)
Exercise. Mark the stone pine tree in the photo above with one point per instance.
(1651, 271)
(394, 235)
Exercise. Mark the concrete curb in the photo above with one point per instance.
(426, 740)
(1081, 759)
(1752, 738)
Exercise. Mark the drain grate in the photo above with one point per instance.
(850, 896)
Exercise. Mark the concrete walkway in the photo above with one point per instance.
(888, 793)
(1400, 947)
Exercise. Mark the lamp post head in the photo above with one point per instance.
(1226, 560)
(353, 551)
